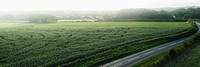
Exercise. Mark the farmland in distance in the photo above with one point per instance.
(59, 44)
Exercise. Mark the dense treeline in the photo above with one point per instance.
(189, 13)
(143, 14)
(181, 14)
(121, 15)
(42, 18)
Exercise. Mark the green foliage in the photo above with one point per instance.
(190, 13)
(81, 44)
(152, 62)
(42, 18)
(189, 59)
(143, 14)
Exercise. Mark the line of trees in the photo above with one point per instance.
(143, 14)
(189, 13)
(122, 15)
(181, 14)
(134, 15)
(42, 18)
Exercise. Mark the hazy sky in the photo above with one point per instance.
(13, 5)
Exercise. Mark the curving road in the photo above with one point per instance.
(138, 57)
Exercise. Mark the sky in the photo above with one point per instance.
(32, 5)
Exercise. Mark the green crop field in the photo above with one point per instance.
(79, 43)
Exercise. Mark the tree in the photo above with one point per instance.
(42, 18)
(189, 13)
(143, 14)
(179, 13)
(7, 17)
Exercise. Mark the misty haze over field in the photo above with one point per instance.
(35, 5)
(85, 9)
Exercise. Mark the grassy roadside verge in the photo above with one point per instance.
(163, 59)
(189, 59)
(153, 60)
